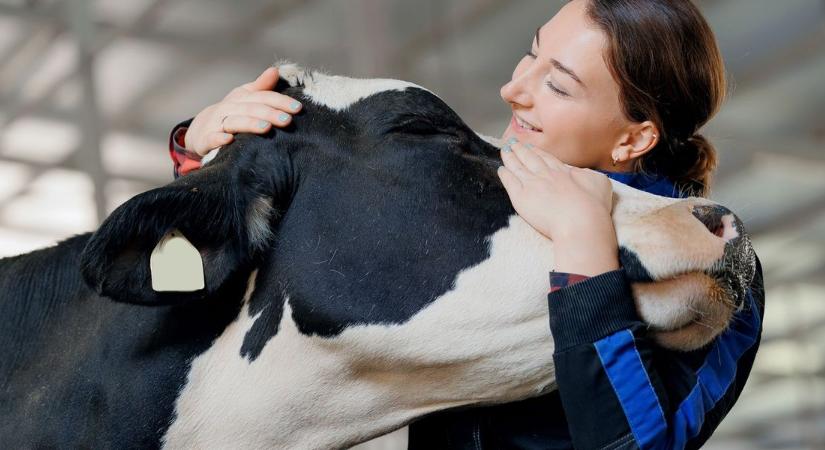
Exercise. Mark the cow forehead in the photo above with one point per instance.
(336, 92)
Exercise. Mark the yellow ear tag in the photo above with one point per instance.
(176, 265)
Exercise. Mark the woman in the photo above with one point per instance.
(622, 87)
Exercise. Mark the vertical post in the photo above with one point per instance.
(368, 38)
(79, 15)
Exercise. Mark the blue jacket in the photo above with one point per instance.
(616, 389)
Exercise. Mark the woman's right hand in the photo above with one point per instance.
(250, 108)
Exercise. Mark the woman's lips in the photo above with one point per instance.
(518, 128)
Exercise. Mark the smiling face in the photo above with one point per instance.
(564, 90)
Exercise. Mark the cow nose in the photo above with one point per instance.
(718, 220)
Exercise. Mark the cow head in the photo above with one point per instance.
(367, 208)
(691, 262)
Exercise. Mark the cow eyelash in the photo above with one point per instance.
(415, 126)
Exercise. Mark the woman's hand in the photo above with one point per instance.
(556, 199)
(569, 205)
(250, 108)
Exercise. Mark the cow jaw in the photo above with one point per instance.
(685, 312)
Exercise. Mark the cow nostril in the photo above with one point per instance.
(717, 219)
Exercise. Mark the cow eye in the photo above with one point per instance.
(417, 127)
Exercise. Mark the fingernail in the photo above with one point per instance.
(263, 124)
(283, 117)
(528, 145)
(512, 141)
(295, 105)
(507, 148)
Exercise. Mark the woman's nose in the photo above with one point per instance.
(517, 92)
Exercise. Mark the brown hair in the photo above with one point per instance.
(664, 57)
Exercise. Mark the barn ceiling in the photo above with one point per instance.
(90, 89)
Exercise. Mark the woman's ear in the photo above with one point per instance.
(638, 139)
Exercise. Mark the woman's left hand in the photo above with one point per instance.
(560, 201)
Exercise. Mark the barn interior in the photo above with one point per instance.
(89, 90)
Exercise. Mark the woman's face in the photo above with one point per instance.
(566, 94)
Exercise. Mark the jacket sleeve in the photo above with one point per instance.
(619, 390)
(183, 160)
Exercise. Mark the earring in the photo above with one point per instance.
(615, 161)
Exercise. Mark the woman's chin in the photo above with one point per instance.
(507, 133)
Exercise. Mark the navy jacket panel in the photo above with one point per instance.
(616, 389)
(667, 399)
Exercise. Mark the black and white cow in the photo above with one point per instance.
(362, 268)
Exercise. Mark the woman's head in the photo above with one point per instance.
(625, 80)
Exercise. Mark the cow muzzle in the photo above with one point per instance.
(735, 270)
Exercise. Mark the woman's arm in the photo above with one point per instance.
(249, 108)
(617, 388)
(620, 390)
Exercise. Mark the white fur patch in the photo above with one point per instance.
(487, 340)
(336, 92)
(258, 224)
(663, 232)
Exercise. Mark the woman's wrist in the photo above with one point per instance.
(589, 251)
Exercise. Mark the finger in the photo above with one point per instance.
(533, 162)
(273, 99)
(272, 115)
(512, 162)
(218, 139)
(244, 124)
(512, 183)
(266, 80)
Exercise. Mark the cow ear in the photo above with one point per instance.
(220, 217)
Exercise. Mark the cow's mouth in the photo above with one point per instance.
(737, 268)
(686, 312)
(734, 272)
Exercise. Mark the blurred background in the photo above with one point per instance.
(89, 91)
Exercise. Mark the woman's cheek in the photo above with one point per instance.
(565, 143)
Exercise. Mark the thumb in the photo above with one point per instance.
(266, 80)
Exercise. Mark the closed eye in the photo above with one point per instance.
(556, 90)
(415, 126)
